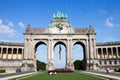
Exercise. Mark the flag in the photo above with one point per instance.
(60, 51)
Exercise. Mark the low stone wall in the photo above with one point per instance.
(9, 69)
(10, 65)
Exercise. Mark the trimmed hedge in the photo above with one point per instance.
(61, 71)
(2, 71)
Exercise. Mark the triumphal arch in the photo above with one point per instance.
(60, 31)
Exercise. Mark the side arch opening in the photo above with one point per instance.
(41, 55)
(79, 56)
(60, 55)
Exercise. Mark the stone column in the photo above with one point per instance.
(52, 50)
(48, 55)
(97, 53)
(87, 53)
(117, 52)
(12, 53)
(87, 50)
(89, 42)
(32, 47)
(69, 52)
(107, 53)
(32, 54)
(91, 49)
(22, 53)
(6, 53)
(27, 53)
(102, 52)
(50, 60)
(17, 53)
(112, 51)
(94, 54)
(68, 49)
(1, 53)
(52, 54)
(27, 49)
(34, 62)
(47, 51)
(94, 48)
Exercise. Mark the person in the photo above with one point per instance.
(107, 70)
(51, 73)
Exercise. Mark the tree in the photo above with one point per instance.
(41, 65)
(79, 65)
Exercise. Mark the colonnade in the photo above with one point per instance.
(11, 52)
(107, 52)
(108, 56)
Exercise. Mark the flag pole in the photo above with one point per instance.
(60, 51)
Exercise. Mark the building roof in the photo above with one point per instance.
(108, 43)
(46, 31)
(12, 44)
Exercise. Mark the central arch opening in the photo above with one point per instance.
(79, 56)
(60, 55)
(41, 56)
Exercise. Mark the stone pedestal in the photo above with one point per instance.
(70, 65)
(50, 65)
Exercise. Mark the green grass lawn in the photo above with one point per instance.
(62, 76)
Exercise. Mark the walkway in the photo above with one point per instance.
(14, 75)
(105, 74)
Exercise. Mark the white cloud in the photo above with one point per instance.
(105, 39)
(108, 22)
(10, 24)
(118, 25)
(102, 11)
(6, 30)
(0, 21)
(21, 24)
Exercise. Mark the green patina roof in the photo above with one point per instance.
(59, 16)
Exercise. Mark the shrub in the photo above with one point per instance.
(117, 70)
(61, 71)
(2, 71)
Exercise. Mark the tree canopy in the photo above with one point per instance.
(79, 64)
(41, 65)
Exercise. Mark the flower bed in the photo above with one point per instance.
(60, 71)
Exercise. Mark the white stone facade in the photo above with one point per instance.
(60, 31)
(23, 55)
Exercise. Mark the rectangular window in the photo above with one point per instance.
(105, 62)
(115, 62)
(110, 62)
(100, 62)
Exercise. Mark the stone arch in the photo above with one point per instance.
(82, 42)
(39, 43)
(63, 57)
(36, 44)
(79, 42)
(60, 42)
(84, 51)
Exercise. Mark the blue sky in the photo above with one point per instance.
(15, 15)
